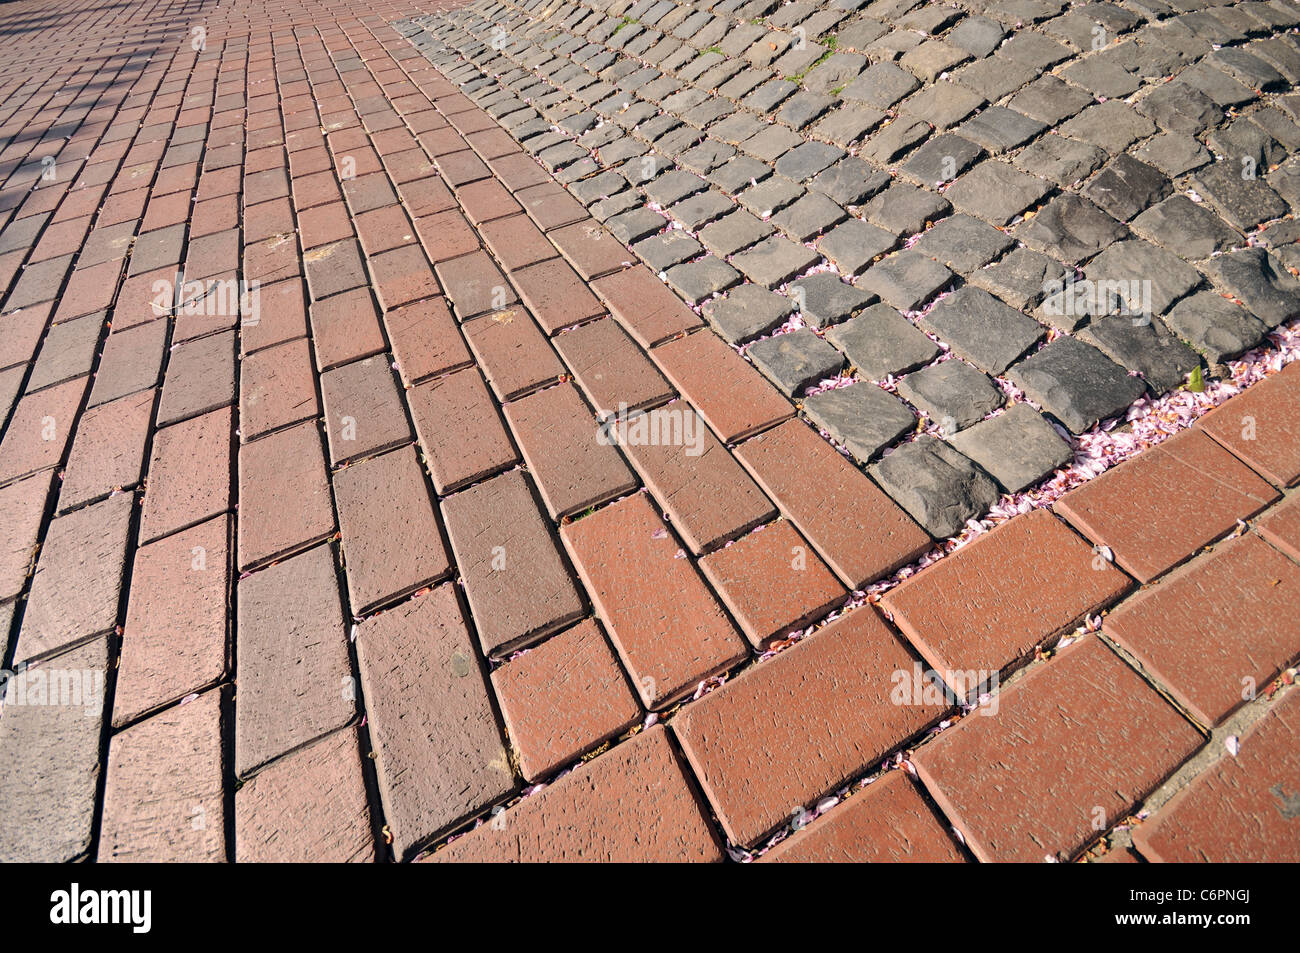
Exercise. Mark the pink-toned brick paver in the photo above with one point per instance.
(304, 357)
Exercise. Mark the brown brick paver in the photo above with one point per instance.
(757, 767)
(1021, 783)
(1243, 808)
(447, 587)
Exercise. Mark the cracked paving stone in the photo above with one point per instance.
(1143, 345)
(904, 209)
(963, 243)
(770, 196)
(998, 129)
(662, 252)
(803, 162)
(809, 217)
(894, 140)
(1190, 230)
(1178, 107)
(905, 280)
(1050, 100)
(823, 299)
(996, 192)
(774, 261)
(855, 244)
(1070, 228)
(1155, 278)
(795, 360)
(880, 342)
(863, 417)
(1243, 203)
(733, 232)
(939, 488)
(1022, 278)
(632, 226)
(1215, 326)
(1017, 448)
(1076, 383)
(697, 281)
(1113, 125)
(941, 159)
(952, 394)
(1060, 160)
(1258, 280)
(748, 312)
(850, 181)
(1126, 187)
(983, 330)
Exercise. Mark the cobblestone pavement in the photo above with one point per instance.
(581, 428)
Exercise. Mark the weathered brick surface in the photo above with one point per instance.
(756, 765)
(1243, 809)
(295, 679)
(391, 541)
(734, 398)
(176, 637)
(633, 803)
(772, 582)
(992, 602)
(557, 436)
(1158, 509)
(425, 342)
(163, 798)
(438, 749)
(888, 822)
(666, 624)
(1262, 427)
(189, 475)
(309, 807)
(514, 355)
(563, 698)
(706, 493)
(1281, 527)
(611, 370)
(276, 388)
(1027, 783)
(79, 578)
(40, 429)
(363, 409)
(108, 450)
(856, 528)
(284, 494)
(50, 757)
(1218, 630)
(644, 306)
(517, 583)
(460, 430)
(22, 508)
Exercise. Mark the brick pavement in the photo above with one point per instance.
(317, 548)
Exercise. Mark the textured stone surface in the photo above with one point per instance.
(1017, 448)
(563, 698)
(938, 486)
(888, 822)
(438, 751)
(1241, 809)
(982, 329)
(992, 602)
(1020, 785)
(756, 767)
(669, 631)
(633, 803)
(1076, 383)
(863, 417)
